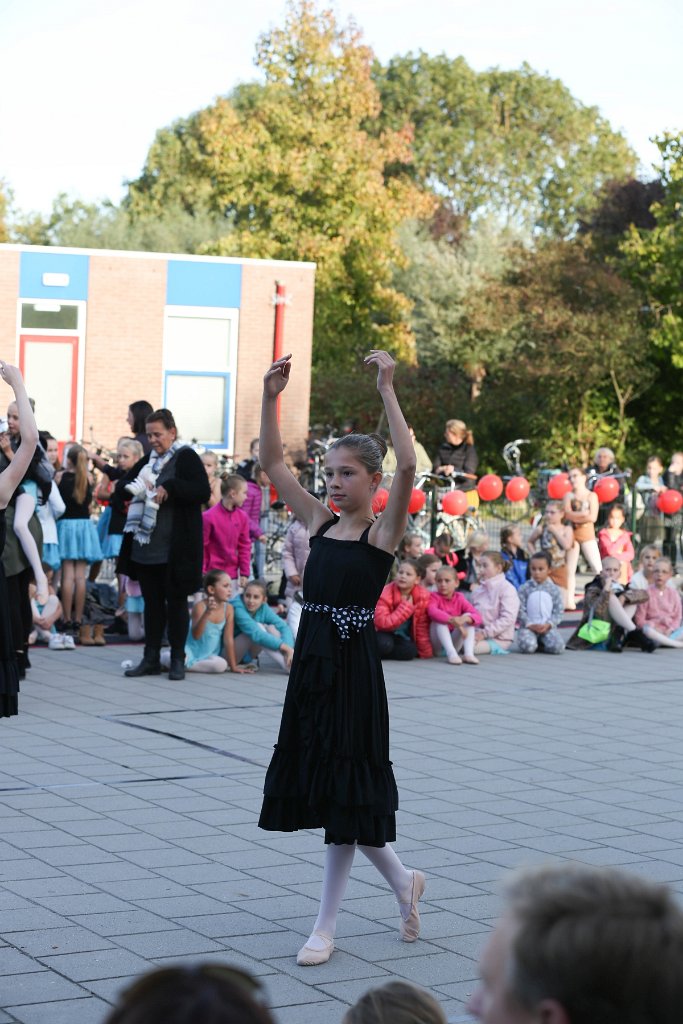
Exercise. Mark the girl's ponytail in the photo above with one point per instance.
(499, 559)
(79, 460)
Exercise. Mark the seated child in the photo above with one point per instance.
(540, 610)
(606, 600)
(452, 619)
(46, 615)
(443, 547)
(615, 542)
(427, 566)
(476, 546)
(401, 617)
(258, 628)
(410, 546)
(210, 643)
(643, 576)
(512, 548)
(555, 538)
(660, 616)
(396, 1002)
(497, 602)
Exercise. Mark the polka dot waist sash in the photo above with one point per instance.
(351, 619)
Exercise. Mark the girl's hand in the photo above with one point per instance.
(295, 580)
(277, 377)
(385, 367)
(244, 670)
(161, 495)
(5, 445)
(288, 653)
(211, 604)
(11, 375)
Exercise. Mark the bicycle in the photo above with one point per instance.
(432, 520)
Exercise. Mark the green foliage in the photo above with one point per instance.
(72, 222)
(292, 164)
(514, 144)
(5, 202)
(654, 258)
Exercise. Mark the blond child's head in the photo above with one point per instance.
(397, 1002)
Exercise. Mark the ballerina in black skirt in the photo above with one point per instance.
(10, 478)
(331, 764)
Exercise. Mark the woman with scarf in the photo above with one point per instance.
(162, 545)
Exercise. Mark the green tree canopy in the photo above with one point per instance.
(293, 166)
(516, 143)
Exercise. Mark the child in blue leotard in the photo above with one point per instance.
(258, 627)
(210, 644)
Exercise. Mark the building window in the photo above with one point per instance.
(200, 352)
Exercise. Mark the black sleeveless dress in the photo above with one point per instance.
(331, 764)
(9, 674)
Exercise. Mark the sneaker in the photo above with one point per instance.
(56, 642)
(69, 643)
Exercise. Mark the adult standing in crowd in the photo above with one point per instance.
(245, 468)
(10, 478)
(457, 456)
(137, 420)
(423, 464)
(605, 464)
(162, 546)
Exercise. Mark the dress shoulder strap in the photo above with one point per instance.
(365, 534)
(326, 525)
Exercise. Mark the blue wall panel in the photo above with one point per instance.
(35, 264)
(198, 283)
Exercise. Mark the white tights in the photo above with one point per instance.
(452, 640)
(244, 644)
(591, 552)
(338, 861)
(23, 510)
(661, 639)
(214, 663)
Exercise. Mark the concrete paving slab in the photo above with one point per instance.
(123, 848)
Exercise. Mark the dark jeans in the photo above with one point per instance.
(395, 647)
(162, 608)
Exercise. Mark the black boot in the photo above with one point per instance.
(638, 639)
(616, 640)
(149, 666)
(177, 668)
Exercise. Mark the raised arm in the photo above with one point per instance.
(12, 476)
(391, 525)
(306, 508)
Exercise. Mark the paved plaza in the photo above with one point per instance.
(129, 812)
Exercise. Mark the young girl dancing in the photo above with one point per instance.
(331, 765)
(10, 478)
(210, 644)
(79, 544)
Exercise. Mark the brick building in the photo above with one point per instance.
(94, 330)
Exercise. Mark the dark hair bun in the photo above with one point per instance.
(379, 440)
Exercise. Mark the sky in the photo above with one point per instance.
(85, 84)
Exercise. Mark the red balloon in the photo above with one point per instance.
(379, 500)
(490, 487)
(417, 501)
(517, 489)
(670, 502)
(335, 508)
(558, 486)
(455, 503)
(607, 489)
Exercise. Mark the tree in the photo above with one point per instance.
(294, 167)
(577, 353)
(654, 257)
(73, 222)
(5, 203)
(516, 143)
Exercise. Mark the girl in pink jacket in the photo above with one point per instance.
(497, 602)
(452, 619)
(660, 616)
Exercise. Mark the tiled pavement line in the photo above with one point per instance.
(516, 768)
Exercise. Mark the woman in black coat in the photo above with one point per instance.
(163, 542)
(457, 455)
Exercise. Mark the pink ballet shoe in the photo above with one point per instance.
(309, 956)
(454, 659)
(469, 659)
(410, 925)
